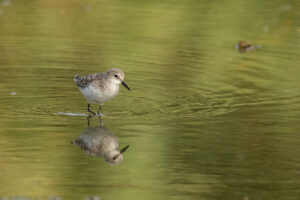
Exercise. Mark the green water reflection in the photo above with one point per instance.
(203, 120)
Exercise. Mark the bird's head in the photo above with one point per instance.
(116, 76)
(115, 157)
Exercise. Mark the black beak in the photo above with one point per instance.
(125, 85)
(124, 149)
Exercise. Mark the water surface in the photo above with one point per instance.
(203, 120)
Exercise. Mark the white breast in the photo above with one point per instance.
(96, 95)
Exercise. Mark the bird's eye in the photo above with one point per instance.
(116, 75)
(114, 158)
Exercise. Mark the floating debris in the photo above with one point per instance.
(266, 28)
(6, 3)
(92, 198)
(54, 198)
(286, 7)
(244, 46)
(13, 93)
(88, 8)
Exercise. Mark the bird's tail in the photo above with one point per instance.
(77, 79)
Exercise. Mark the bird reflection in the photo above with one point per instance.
(100, 141)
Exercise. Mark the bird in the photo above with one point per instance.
(100, 87)
(100, 141)
(244, 46)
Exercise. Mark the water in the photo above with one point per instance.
(203, 120)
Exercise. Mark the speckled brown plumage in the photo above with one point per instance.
(101, 87)
(96, 79)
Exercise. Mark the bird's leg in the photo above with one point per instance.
(88, 119)
(100, 121)
(98, 112)
(90, 110)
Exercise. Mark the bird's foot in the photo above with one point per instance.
(99, 114)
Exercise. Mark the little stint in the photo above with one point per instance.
(100, 141)
(101, 87)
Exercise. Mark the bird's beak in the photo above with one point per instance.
(124, 149)
(125, 85)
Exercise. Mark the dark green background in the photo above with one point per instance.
(203, 121)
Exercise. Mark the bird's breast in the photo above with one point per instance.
(100, 94)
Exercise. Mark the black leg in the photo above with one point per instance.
(98, 112)
(90, 110)
(88, 119)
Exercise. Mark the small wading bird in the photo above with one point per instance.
(99, 141)
(99, 88)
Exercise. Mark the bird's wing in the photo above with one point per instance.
(82, 82)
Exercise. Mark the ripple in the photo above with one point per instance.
(71, 114)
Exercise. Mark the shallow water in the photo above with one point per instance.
(203, 120)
